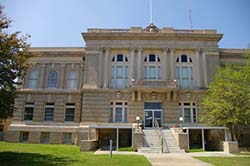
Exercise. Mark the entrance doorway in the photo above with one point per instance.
(151, 116)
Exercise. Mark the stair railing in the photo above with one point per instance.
(162, 138)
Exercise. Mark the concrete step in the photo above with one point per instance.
(150, 150)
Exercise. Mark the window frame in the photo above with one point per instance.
(189, 66)
(156, 65)
(21, 138)
(123, 105)
(192, 108)
(119, 82)
(25, 114)
(45, 140)
(72, 79)
(49, 106)
(67, 141)
(33, 78)
(69, 106)
(52, 80)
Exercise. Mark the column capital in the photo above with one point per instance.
(107, 49)
(101, 49)
(197, 49)
(139, 49)
(172, 49)
(131, 49)
(164, 49)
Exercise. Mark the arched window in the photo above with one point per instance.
(119, 72)
(152, 67)
(52, 79)
(33, 79)
(185, 72)
(72, 80)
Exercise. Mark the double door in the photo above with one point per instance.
(151, 116)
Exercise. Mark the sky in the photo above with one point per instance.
(59, 23)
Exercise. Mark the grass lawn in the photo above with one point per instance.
(61, 155)
(227, 161)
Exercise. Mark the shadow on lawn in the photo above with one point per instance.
(34, 159)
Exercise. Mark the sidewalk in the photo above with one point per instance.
(174, 159)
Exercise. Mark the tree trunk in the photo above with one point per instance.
(233, 131)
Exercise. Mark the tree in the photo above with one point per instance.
(228, 100)
(13, 64)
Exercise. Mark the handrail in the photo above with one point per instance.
(163, 141)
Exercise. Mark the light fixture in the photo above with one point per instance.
(181, 119)
(137, 118)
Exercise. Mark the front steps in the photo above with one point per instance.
(152, 144)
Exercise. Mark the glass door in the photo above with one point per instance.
(157, 117)
(148, 119)
(150, 116)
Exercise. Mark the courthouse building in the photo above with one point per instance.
(140, 87)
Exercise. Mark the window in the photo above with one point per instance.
(52, 79)
(24, 136)
(45, 137)
(152, 67)
(69, 112)
(67, 138)
(49, 112)
(72, 80)
(188, 111)
(118, 112)
(185, 72)
(119, 72)
(33, 79)
(28, 111)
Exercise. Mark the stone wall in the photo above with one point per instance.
(95, 107)
(88, 145)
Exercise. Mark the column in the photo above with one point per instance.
(132, 65)
(89, 133)
(172, 62)
(203, 140)
(198, 69)
(204, 59)
(117, 139)
(61, 76)
(164, 65)
(139, 64)
(106, 68)
(100, 68)
(41, 78)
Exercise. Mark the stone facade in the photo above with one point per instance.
(120, 75)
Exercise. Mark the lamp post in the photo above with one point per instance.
(138, 122)
(181, 121)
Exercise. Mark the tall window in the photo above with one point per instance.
(188, 111)
(69, 112)
(152, 67)
(185, 72)
(33, 79)
(45, 137)
(24, 136)
(72, 80)
(119, 72)
(118, 112)
(52, 79)
(49, 112)
(28, 111)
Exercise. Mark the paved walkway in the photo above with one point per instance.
(174, 159)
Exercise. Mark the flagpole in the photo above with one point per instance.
(150, 12)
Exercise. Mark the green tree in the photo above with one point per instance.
(228, 100)
(13, 64)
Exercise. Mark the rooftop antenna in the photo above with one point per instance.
(190, 19)
(150, 12)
